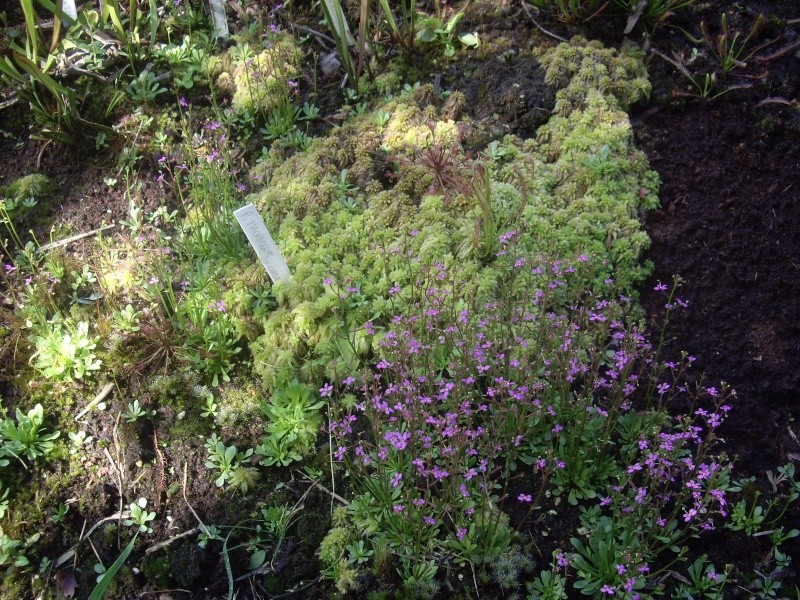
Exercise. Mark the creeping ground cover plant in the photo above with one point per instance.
(479, 418)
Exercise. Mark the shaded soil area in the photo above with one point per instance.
(728, 228)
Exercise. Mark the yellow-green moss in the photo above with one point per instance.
(34, 185)
(239, 408)
(581, 66)
(579, 186)
(261, 81)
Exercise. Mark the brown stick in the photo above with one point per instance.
(75, 238)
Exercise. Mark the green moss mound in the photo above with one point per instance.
(358, 212)
(34, 185)
(260, 80)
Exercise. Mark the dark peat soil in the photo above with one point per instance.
(729, 228)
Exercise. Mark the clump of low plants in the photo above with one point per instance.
(65, 352)
(261, 77)
(552, 385)
(25, 437)
(293, 421)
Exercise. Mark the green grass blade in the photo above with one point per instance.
(56, 28)
(362, 34)
(153, 22)
(110, 10)
(387, 12)
(32, 48)
(48, 82)
(8, 69)
(57, 11)
(100, 589)
(339, 30)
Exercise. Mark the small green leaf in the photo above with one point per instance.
(257, 559)
(426, 35)
(470, 39)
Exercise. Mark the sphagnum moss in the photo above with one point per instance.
(580, 185)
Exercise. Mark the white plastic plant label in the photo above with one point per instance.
(219, 19)
(267, 250)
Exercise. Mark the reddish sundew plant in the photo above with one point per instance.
(550, 394)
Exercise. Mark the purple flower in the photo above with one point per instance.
(508, 236)
(525, 498)
(439, 473)
(462, 531)
(183, 102)
(398, 508)
(218, 306)
(429, 520)
(397, 439)
(607, 589)
(326, 390)
(660, 287)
